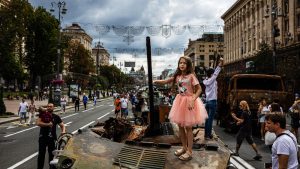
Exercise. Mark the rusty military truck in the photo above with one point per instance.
(252, 88)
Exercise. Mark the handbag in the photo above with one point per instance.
(269, 138)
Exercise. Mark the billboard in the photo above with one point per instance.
(74, 90)
(129, 64)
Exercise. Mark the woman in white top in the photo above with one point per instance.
(262, 111)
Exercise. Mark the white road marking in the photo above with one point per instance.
(103, 116)
(239, 162)
(20, 131)
(88, 110)
(67, 124)
(23, 161)
(34, 127)
(69, 116)
(11, 127)
(81, 128)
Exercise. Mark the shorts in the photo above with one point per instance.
(124, 112)
(23, 115)
(242, 135)
(117, 111)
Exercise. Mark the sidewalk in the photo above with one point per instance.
(13, 106)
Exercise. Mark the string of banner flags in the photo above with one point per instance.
(129, 32)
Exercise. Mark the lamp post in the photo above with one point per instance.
(61, 5)
(275, 31)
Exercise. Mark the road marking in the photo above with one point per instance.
(81, 128)
(67, 124)
(103, 116)
(33, 127)
(69, 115)
(20, 131)
(23, 161)
(239, 162)
(11, 127)
(88, 110)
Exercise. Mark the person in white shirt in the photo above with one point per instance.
(211, 88)
(63, 104)
(23, 110)
(124, 107)
(284, 148)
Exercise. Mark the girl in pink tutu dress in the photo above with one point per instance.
(187, 110)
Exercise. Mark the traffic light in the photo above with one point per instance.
(276, 31)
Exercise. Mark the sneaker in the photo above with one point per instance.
(257, 157)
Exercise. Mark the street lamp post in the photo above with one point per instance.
(61, 11)
(61, 5)
(275, 31)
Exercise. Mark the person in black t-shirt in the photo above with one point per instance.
(245, 131)
(47, 137)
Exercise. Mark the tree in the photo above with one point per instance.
(41, 44)
(79, 59)
(13, 28)
(263, 59)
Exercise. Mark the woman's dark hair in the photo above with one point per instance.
(275, 107)
(189, 68)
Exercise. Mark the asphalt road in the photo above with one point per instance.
(19, 144)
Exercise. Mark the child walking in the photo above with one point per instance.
(187, 110)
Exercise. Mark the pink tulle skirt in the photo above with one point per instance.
(181, 115)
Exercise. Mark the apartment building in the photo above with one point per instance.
(204, 51)
(100, 56)
(248, 23)
(77, 34)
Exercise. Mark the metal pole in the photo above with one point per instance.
(154, 116)
(273, 15)
(58, 41)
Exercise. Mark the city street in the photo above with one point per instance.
(19, 144)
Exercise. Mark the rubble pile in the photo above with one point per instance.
(114, 129)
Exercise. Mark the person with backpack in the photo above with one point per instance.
(284, 148)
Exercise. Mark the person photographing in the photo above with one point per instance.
(48, 121)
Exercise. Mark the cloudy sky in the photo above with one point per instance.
(93, 14)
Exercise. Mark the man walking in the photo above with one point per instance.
(284, 148)
(23, 110)
(124, 107)
(211, 88)
(48, 122)
(84, 100)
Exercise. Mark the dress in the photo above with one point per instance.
(179, 113)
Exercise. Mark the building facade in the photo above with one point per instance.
(205, 51)
(100, 56)
(249, 23)
(77, 34)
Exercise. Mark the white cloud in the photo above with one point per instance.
(89, 13)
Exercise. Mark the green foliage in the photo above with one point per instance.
(41, 44)
(263, 59)
(79, 59)
(13, 28)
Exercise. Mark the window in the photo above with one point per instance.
(259, 84)
(201, 57)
